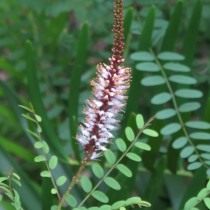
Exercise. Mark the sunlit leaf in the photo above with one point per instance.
(40, 158)
(105, 207)
(139, 121)
(129, 133)
(53, 191)
(53, 162)
(45, 174)
(133, 201)
(203, 193)
(207, 202)
(150, 132)
(143, 146)
(61, 180)
(118, 205)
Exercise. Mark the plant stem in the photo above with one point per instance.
(74, 181)
(39, 137)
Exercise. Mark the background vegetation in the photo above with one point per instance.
(167, 46)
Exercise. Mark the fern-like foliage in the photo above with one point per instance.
(114, 163)
(202, 197)
(43, 150)
(175, 100)
(7, 189)
(100, 177)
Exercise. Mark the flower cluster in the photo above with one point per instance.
(109, 90)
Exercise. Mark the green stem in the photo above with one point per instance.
(74, 181)
(39, 138)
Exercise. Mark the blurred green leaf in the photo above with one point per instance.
(189, 45)
(36, 98)
(75, 84)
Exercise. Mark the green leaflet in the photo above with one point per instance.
(153, 81)
(112, 183)
(198, 124)
(100, 196)
(142, 56)
(176, 67)
(179, 142)
(161, 98)
(187, 151)
(188, 93)
(129, 133)
(148, 67)
(165, 114)
(170, 56)
(189, 107)
(170, 129)
(181, 79)
(124, 170)
(86, 184)
(97, 170)
(121, 144)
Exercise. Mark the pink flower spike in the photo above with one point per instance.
(109, 97)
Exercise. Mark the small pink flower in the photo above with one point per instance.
(109, 90)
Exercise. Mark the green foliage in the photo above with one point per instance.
(8, 190)
(115, 163)
(202, 196)
(172, 73)
(168, 44)
(43, 150)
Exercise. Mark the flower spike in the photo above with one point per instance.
(109, 90)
